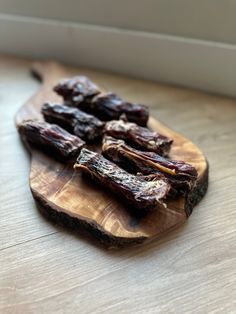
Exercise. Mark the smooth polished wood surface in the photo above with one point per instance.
(45, 269)
(67, 197)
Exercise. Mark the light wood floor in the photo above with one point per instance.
(46, 269)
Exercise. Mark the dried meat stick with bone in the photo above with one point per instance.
(181, 176)
(84, 125)
(51, 139)
(139, 137)
(141, 192)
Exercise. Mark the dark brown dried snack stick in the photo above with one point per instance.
(180, 175)
(51, 139)
(81, 92)
(82, 124)
(139, 137)
(142, 192)
(77, 89)
(109, 106)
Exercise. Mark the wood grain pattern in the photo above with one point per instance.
(69, 198)
(46, 269)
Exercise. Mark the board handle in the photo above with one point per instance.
(48, 72)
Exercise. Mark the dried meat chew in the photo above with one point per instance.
(51, 139)
(142, 192)
(109, 106)
(80, 92)
(84, 125)
(77, 89)
(139, 137)
(180, 175)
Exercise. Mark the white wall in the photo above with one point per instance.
(183, 42)
(212, 20)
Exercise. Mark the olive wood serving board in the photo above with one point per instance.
(72, 200)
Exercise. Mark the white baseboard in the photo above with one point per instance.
(205, 65)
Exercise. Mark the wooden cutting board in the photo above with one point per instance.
(68, 198)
